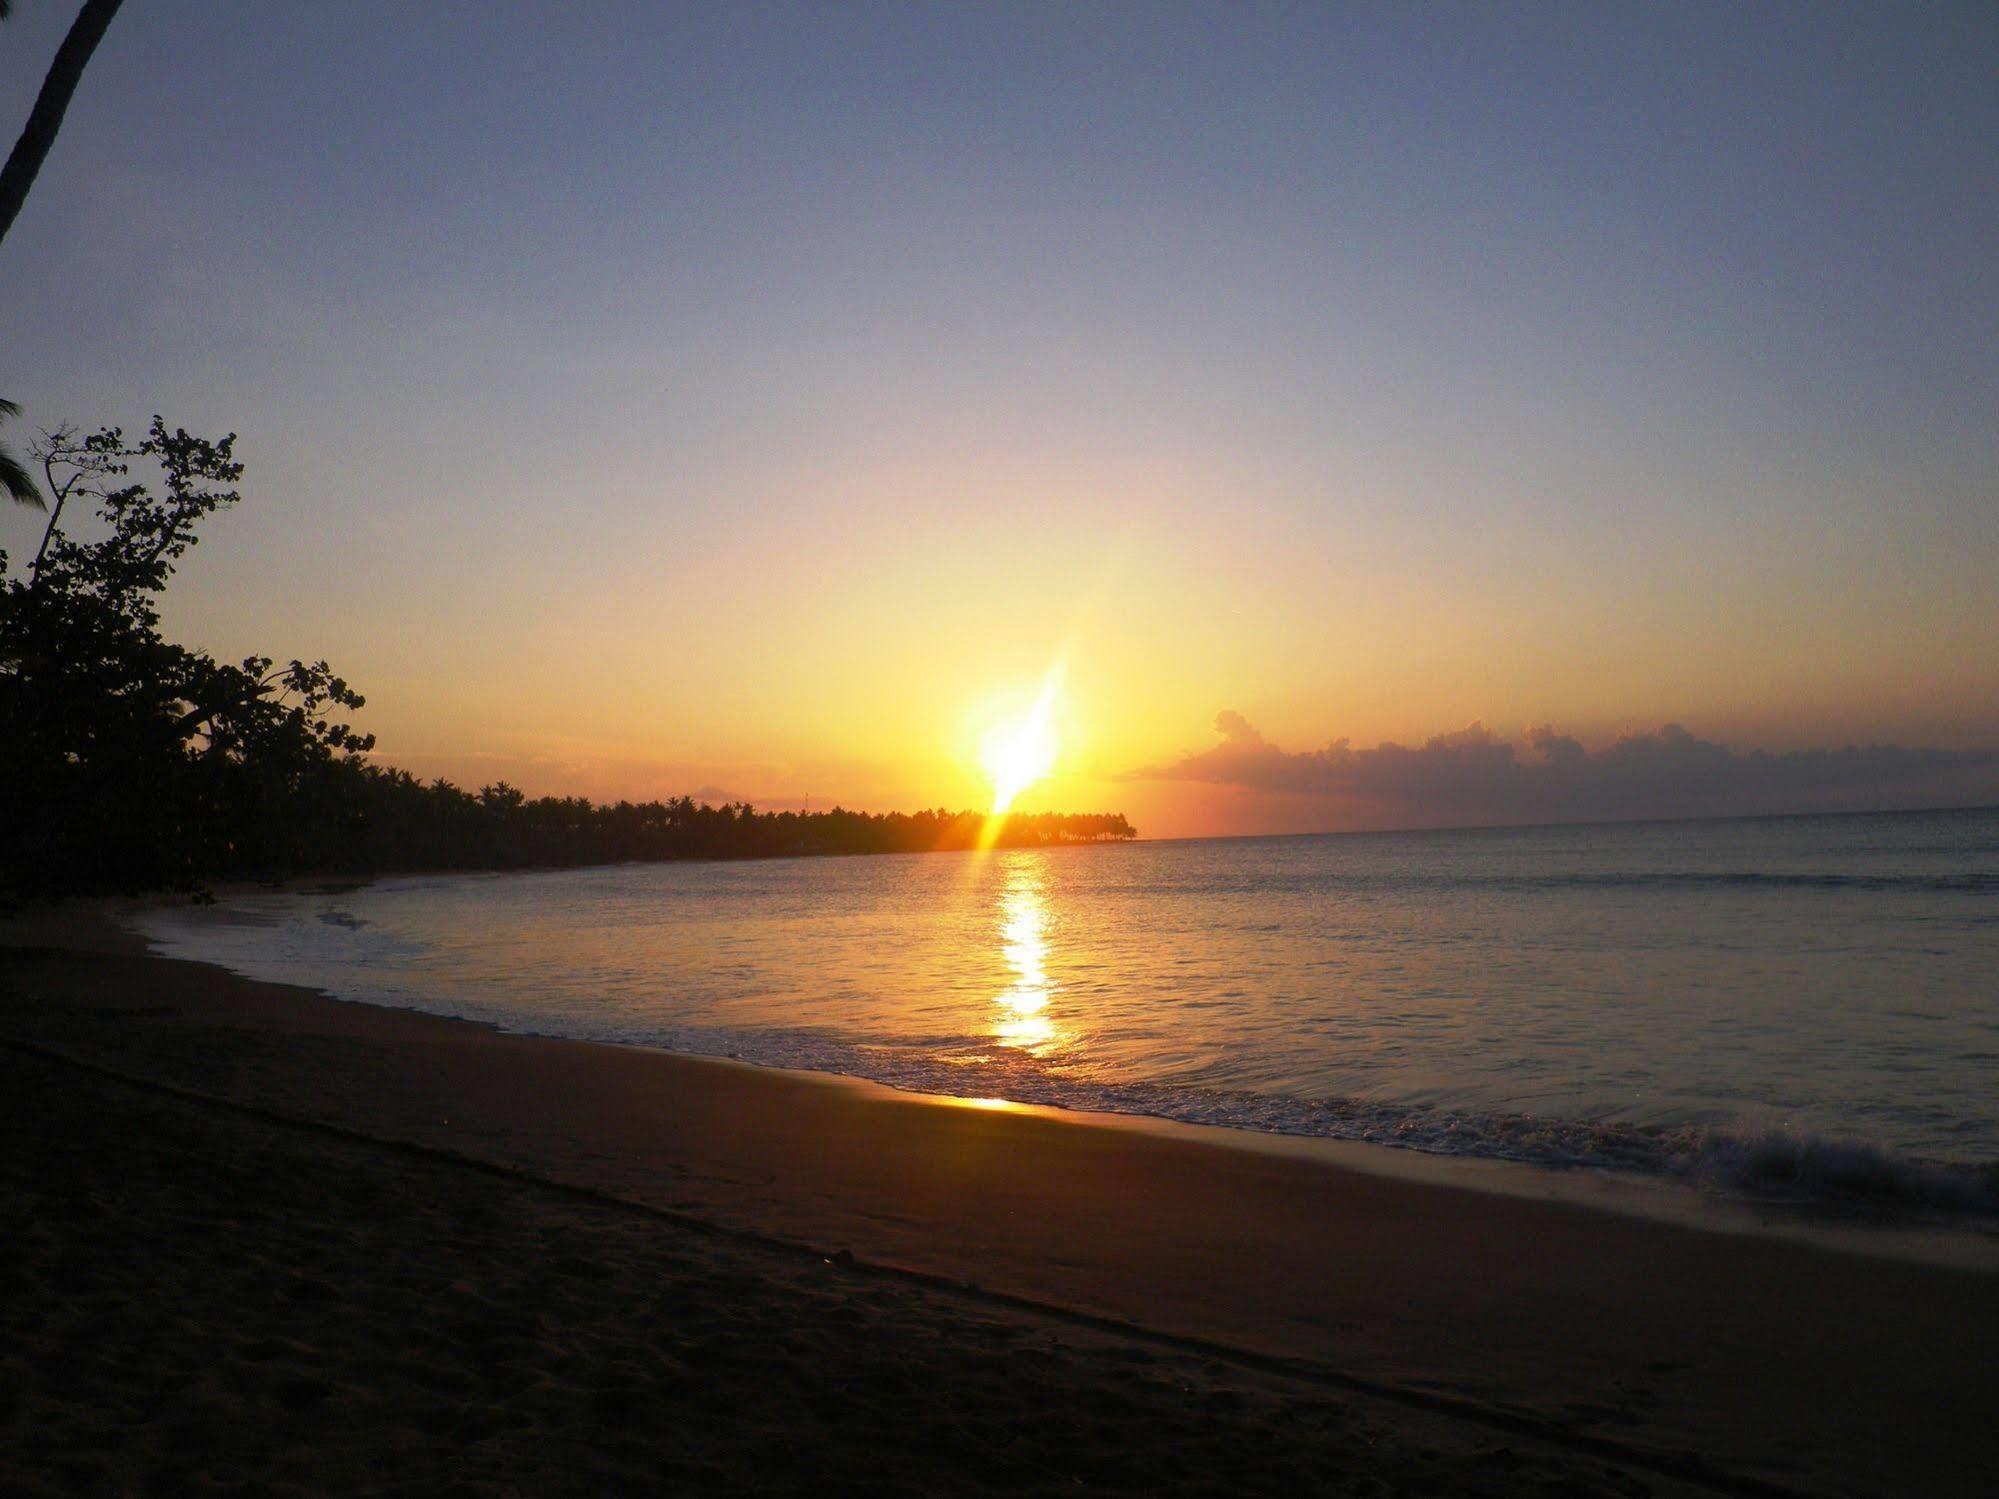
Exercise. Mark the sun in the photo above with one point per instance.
(1022, 743)
(1019, 750)
(1016, 755)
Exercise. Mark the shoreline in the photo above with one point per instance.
(1821, 1371)
(1897, 1227)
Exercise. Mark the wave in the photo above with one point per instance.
(1780, 1165)
(1771, 1166)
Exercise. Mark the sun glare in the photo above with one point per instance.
(1016, 755)
(1021, 748)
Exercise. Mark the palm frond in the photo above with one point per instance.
(19, 483)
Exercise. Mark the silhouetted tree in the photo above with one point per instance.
(129, 760)
(14, 479)
(24, 162)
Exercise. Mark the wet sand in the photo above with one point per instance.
(1144, 1311)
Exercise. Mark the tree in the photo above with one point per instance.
(16, 480)
(131, 761)
(24, 163)
(45, 119)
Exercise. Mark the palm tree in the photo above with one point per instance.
(14, 478)
(26, 159)
(18, 175)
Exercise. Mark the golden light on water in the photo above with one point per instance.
(1023, 1020)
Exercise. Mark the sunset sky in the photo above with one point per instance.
(756, 401)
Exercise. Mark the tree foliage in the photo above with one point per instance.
(15, 480)
(127, 760)
(130, 762)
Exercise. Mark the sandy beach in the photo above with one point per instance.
(259, 1239)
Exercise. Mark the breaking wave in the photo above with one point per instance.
(1772, 1166)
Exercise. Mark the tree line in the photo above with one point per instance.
(130, 762)
(376, 818)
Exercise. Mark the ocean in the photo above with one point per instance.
(1797, 1008)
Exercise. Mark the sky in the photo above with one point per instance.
(761, 401)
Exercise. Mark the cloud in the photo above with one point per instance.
(1474, 776)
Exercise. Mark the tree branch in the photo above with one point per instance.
(203, 713)
(61, 493)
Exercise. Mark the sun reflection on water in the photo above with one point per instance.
(1022, 1019)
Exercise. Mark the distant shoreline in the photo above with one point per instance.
(331, 879)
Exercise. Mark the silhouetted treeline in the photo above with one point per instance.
(364, 817)
(128, 762)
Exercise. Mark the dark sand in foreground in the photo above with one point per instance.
(198, 1297)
